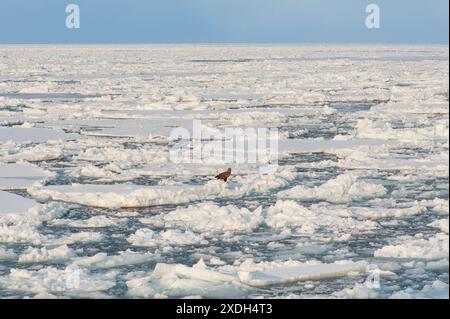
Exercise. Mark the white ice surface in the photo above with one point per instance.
(103, 260)
(342, 189)
(441, 224)
(126, 195)
(433, 248)
(36, 135)
(38, 255)
(145, 237)
(304, 272)
(175, 280)
(21, 175)
(377, 115)
(209, 217)
(289, 214)
(436, 290)
(7, 254)
(92, 222)
(15, 204)
(69, 282)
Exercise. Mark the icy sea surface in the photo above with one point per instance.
(92, 206)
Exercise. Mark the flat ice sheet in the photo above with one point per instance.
(15, 204)
(36, 135)
(124, 195)
(283, 275)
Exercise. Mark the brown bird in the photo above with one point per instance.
(224, 176)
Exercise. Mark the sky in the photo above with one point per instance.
(224, 21)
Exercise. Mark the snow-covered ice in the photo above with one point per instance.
(209, 217)
(435, 247)
(125, 196)
(37, 255)
(15, 204)
(344, 188)
(21, 175)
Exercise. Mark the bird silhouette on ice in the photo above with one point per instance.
(225, 175)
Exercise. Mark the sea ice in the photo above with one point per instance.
(435, 247)
(209, 217)
(39, 255)
(103, 260)
(342, 189)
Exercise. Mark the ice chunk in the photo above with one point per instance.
(180, 281)
(36, 255)
(209, 217)
(103, 260)
(320, 145)
(36, 214)
(15, 204)
(93, 222)
(22, 170)
(145, 237)
(34, 153)
(359, 291)
(417, 248)
(342, 189)
(437, 265)
(36, 135)
(126, 195)
(441, 224)
(71, 281)
(181, 238)
(22, 233)
(376, 212)
(438, 205)
(81, 237)
(305, 272)
(7, 254)
(21, 175)
(290, 214)
(436, 290)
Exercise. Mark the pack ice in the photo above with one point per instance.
(93, 204)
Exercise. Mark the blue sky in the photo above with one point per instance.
(224, 21)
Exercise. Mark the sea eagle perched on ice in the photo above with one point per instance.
(224, 176)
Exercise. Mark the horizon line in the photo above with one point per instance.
(226, 43)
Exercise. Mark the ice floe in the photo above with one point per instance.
(103, 260)
(344, 188)
(441, 224)
(71, 281)
(209, 217)
(147, 238)
(292, 215)
(21, 175)
(38, 255)
(435, 247)
(21, 234)
(37, 135)
(174, 280)
(7, 254)
(358, 291)
(126, 195)
(15, 204)
(93, 222)
(436, 290)
(303, 272)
